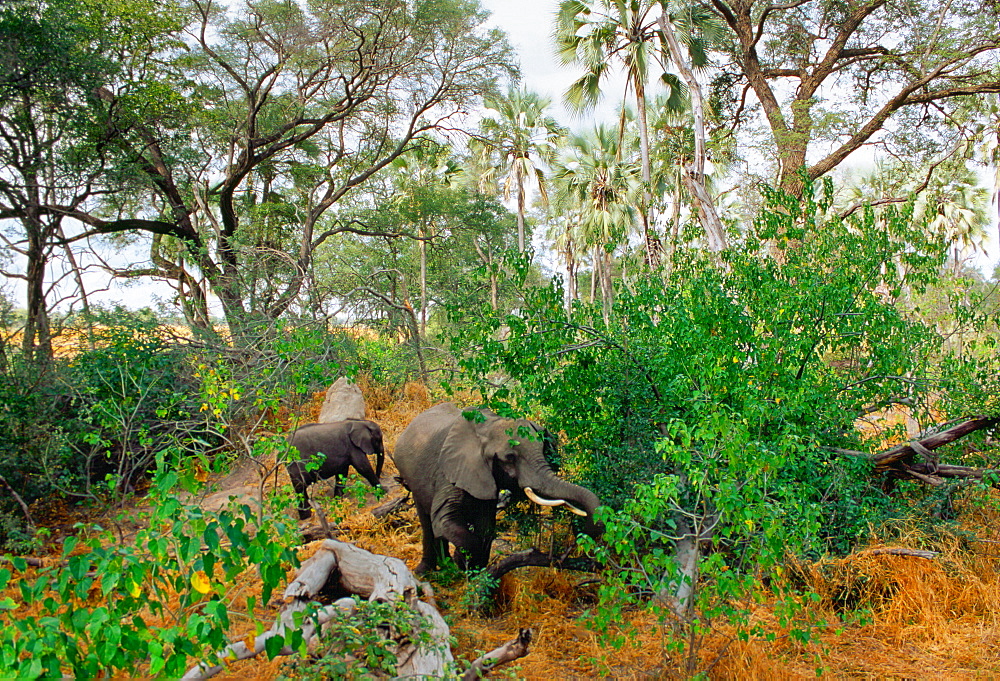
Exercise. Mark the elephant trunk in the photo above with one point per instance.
(548, 490)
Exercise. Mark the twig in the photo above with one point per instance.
(20, 501)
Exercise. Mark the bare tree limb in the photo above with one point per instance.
(907, 451)
(508, 652)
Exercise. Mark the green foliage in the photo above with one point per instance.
(158, 598)
(89, 427)
(712, 402)
(480, 592)
(377, 278)
(35, 441)
(383, 358)
(358, 644)
(287, 363)
(132, 393)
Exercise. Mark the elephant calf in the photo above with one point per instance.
(456, 467)
(342, 444)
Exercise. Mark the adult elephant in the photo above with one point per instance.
(455, 463)
(342, 444)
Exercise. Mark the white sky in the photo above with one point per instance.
(529, 25)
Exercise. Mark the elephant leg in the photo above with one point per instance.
(484, 527)
(305, 510)
(300, 483)
(466, 543)
(434, 548)
(364, 467)
(338, 485)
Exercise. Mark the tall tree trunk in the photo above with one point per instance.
(651, 242)
(595, 272)
(571, 283)
(519, 179)
(36, 340)
(675, 223)
(422, 245)
(607, 289)
(694, 175)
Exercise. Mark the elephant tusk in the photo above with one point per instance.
(530, 493)
(542, 502)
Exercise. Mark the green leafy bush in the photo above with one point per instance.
(133, 392)
(357, 644)
(158, 599)
(712, 404)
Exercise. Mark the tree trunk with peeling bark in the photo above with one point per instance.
(694, 174)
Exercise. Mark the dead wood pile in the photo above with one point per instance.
(347, 568)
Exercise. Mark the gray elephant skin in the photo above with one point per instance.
(456, 467)
(343, 444)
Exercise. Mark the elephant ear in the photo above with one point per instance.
(464, 462)
(361, 437)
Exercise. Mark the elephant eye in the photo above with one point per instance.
(510, 457)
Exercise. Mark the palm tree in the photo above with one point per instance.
(515, 143)
(600, 33)
(596, 174)
(595, 36)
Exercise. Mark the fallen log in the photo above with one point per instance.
(508, 652)
(900, 461)
(905, 452)
(375, 578)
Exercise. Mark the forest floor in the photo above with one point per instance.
(887, 616)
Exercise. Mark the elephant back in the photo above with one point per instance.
(418, 447)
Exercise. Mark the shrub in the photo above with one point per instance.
(709, 405)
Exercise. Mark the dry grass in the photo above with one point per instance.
(927, 617)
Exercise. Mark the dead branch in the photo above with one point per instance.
(393, 506)
(376, 578)
(535, 558)
(906, 451)
(20, 501)
(508, 652)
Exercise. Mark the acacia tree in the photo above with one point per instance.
(54, 54)
(833, 76)
(283, 110)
